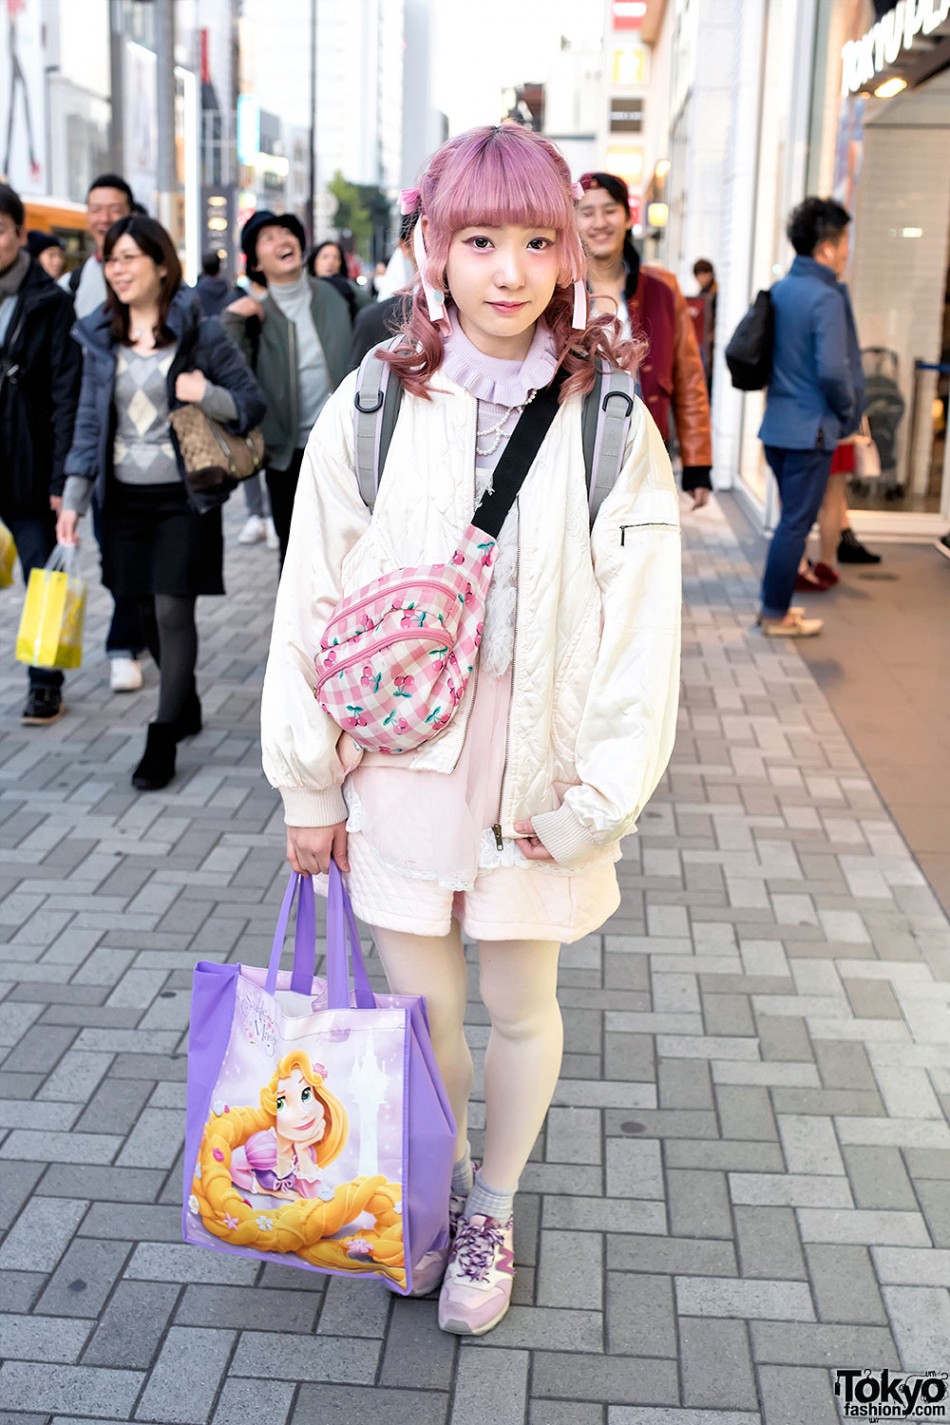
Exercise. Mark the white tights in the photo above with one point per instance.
(518, 983)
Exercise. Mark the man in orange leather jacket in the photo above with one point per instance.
(649, 303)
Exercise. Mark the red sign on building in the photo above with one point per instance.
(628, 14)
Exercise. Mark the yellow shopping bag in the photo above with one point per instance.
(7, 556)
(50, 634)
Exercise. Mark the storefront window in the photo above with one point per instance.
(885, 159)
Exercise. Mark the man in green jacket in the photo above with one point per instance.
(297, 341)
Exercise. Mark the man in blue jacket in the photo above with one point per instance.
(814, 396)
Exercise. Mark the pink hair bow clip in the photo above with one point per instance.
(409, 200)
(578, 192)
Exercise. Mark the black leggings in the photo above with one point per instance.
(172, 638)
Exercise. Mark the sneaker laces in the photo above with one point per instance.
(475, 1247)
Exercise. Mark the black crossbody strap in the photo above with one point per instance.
(523, 445)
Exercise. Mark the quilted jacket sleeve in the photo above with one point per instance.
(300, 742)
(628, 726)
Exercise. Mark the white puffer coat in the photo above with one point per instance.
(595, 675)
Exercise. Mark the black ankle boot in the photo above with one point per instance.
(852, 551)
(189, 724)
(157, 767)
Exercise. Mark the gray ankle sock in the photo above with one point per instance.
(463, 1174)
(486, 1201)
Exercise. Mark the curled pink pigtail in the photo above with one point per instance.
(497, 176)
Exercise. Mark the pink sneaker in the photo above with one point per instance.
(476, 1292)
(429, 1272)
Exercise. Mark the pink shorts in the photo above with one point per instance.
(506, 903)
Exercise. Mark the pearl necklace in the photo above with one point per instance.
(498, 429)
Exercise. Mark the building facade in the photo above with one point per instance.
(760, 104)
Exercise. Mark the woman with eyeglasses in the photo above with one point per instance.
(146, 350)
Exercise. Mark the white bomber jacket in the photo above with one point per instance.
(595, 673)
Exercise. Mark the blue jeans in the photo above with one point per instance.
(802, 477)
(254, 497)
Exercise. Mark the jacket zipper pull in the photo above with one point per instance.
(499, 841)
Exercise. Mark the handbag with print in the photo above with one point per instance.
(214, 460)
(318, 1132)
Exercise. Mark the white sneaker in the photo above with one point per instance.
(272, 541)
(125, 675)
(253, 530)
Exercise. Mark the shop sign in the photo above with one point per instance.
(883, 45)
(629, 66)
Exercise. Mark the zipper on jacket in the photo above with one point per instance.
(499, 839)
(646, 524)
(407, 636)
(294, 386)
(398, 588)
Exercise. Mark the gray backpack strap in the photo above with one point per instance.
(608, 410)
(377, 401)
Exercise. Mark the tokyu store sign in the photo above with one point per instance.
(862, 60)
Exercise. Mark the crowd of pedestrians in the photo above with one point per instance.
(300, 322)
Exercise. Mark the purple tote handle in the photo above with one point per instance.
(343, 949)
(305, 937)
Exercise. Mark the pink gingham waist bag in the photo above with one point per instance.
(397, 654)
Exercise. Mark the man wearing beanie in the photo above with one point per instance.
(297, 341)
(48, 251)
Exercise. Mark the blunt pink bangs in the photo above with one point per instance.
(499, 176)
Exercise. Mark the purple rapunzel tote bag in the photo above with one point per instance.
(318, 1133)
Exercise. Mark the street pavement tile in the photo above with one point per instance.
(184, 1380)
(85, 1390)
(41, 1233)
(769, 1244)
(85, 1276)
(844, 1284)
(358, 1403)
(132, 1327)
(244, 1400)
(332, 1358)
(793, 1394)
(566, 1412)
(647, 1415)
(920, 1320)
(417, 1354)
(242, 1308)
(641, 1317)
(484, 1391)
(757, 1300)
(748, 1151)
(33, 1338)
(633, 1380)
(717, 1365)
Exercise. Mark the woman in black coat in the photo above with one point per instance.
(147, 350)
(327, 261)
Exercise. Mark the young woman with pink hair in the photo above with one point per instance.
(505, 827)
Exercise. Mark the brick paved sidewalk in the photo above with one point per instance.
(743, 1183)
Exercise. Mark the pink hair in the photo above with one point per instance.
(499, 176)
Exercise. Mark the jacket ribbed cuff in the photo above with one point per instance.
(560, 832)
(304, 807)
(77, 494)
